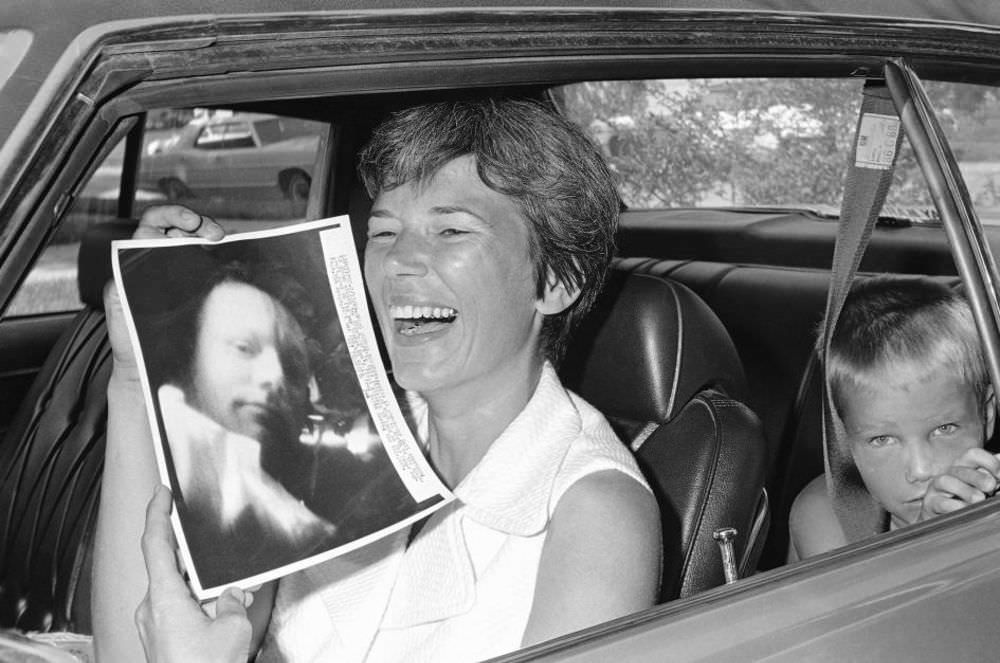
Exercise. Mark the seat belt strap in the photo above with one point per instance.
(876, 143)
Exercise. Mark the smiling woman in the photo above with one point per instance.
(490, 233)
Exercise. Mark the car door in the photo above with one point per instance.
(918, 593)
(48, 299)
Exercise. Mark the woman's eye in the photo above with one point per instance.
(379, 228)
(451, 232)
(947, 429)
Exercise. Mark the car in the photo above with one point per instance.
(730, 128)
(252, 155)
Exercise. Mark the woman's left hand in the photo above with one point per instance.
(172, 625)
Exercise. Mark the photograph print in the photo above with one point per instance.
(276, 427)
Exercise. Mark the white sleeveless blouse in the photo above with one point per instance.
(462, 591)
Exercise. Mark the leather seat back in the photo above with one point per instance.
(660, 365)
(51, 461)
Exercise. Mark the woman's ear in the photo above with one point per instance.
(557, 296)
(990, 410)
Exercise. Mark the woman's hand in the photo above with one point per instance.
(974, 477)
(176, 221)
(157, 222)
(172, 626)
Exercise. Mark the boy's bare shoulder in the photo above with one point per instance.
(813, 525)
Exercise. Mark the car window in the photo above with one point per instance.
(769, 142)
(269, 131)
(225, 135)
(50, 286)
(244, 189)
(721, 142)
(214, 164)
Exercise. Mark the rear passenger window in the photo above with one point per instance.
(770, 142)
(51, 286)
(721, 142)
(247, 170)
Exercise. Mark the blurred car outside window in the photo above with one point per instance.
(240, 168)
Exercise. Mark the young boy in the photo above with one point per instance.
(910, 385)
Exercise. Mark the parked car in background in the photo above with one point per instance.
(729, 125)
(247, 155)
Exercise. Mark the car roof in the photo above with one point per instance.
(62, 29)
(62, 15)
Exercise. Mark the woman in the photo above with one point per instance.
(491, 230)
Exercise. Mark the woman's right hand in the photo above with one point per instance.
(176, 221)
(159, 221)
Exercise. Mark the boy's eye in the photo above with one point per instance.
(946, 429)
(880, 440)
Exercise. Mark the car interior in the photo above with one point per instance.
(700, 351)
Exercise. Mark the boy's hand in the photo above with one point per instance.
(974, 477)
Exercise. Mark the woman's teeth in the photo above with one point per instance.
(412, 320)
(427, 312)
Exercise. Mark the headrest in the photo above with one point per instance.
(648, 346)
(94, 259)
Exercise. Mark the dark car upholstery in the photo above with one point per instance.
(51, 460)
(772, 314)
(660, 365)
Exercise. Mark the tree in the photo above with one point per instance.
(759, 142)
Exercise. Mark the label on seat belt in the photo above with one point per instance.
(876, 146)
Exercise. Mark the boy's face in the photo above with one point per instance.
(904, 431)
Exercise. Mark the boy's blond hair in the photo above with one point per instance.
(895, 323)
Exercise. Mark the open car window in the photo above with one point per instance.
(770, 142)
(207, 160)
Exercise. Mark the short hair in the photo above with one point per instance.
(528, 152)
(892, 320)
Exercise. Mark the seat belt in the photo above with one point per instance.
(876, 143)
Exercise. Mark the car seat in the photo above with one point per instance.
(51, 460)
(655, 359)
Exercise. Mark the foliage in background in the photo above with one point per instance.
(752, 142)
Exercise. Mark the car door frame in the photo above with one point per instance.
(970, 249)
